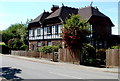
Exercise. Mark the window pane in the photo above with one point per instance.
(49, 43)
(49, 30)
(39, 31)
(56, 29)
(39, 44)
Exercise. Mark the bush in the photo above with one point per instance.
(116, 47)
(4, 49)
(49, 49)
(101, 56)
(14, 44)
(24, 47)
(88, 54)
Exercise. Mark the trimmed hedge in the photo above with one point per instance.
(49, 49)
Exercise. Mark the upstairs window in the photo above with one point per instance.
(49, 30)
(56, 29)
(38, 32)
(60, 28)
(31, 32)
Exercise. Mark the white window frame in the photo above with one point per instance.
(38, 31)
(49, 43)
(30, 32)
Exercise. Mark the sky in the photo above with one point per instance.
(12, 12)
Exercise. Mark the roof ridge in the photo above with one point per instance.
(86, 7)
(70, 7)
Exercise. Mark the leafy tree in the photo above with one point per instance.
(17, 33)
(75, 32)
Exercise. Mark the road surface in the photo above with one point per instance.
(14, 68)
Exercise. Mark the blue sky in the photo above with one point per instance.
(16, 12)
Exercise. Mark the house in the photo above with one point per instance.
(46, 28)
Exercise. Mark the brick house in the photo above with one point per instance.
(46, 28)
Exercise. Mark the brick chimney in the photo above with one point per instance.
(54, 8)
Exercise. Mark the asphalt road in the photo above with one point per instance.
(14, 68)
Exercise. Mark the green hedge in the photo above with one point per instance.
(4, 49)
(49, 49)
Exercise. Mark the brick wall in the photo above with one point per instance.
(34, 44)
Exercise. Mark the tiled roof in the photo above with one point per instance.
(63, 12)
(88, 12)
(41, 17)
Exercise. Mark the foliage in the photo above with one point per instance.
(101, 56)
(75, 31)
(116, 47)
(18, 34)
(49, 49)
(88, 54)
(24, 47)
(2, 43)
(14, 43)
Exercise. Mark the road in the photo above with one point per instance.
(14, 68)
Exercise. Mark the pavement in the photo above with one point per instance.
(46, 61)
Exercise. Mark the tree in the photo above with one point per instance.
(17, 33)
(74, 34)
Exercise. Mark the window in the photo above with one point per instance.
(56, 29)
(38, 32)
(39, 44)
(49, 43)
(31, 32)
(60, 28)
(49, 30)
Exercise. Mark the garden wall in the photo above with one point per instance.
(112, 57)
(32, 54)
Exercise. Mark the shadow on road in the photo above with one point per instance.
(10, 73)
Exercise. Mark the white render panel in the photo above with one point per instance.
(52, 29)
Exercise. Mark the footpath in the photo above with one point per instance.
(46, 61)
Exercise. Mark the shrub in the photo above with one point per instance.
(101, 56)
(116, 47)
(24, 47)
(14, 44)
(88, 54)
(49, 49)
(3, 48)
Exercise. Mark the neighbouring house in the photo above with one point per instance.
(46, 28)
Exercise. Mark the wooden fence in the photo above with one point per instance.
(112, 57)
(65, 56)
(32, 54)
